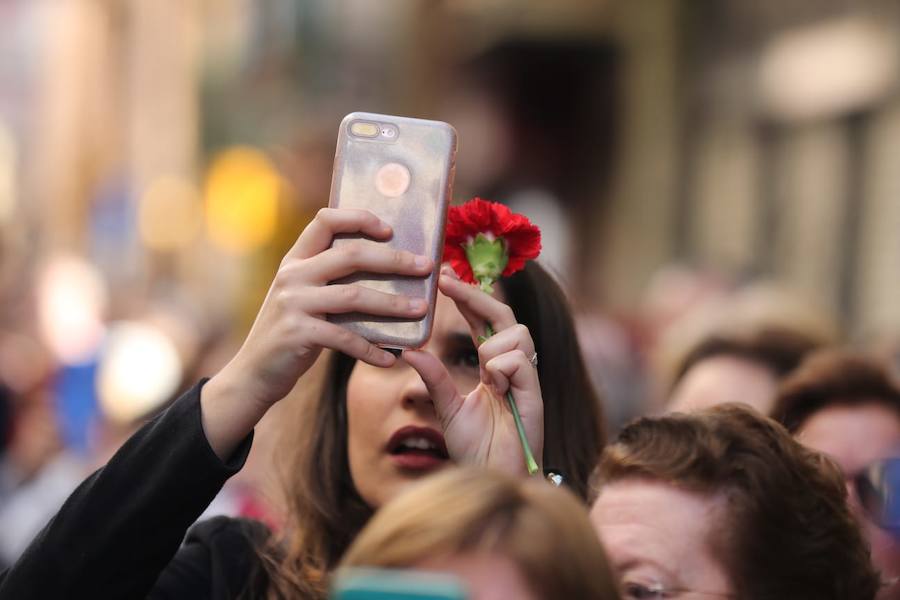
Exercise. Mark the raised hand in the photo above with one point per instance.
(479, 427)
(291, 330)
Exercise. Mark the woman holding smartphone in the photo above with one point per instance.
(379, 423)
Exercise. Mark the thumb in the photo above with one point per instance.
(444, 395)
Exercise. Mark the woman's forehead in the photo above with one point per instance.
(447, 318)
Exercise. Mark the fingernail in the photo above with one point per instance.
(449, 272)
(417, 305)
(422, 262)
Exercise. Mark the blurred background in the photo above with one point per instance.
(694, 164)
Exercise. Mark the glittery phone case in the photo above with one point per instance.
(407, 181)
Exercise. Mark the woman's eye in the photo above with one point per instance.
(466, 358)
(638, 591)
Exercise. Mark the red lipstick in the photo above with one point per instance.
(417, 448)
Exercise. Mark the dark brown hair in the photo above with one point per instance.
(778, 349)
(834, 377)
(787, 531)
(325, 511)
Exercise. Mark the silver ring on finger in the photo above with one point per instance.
(533, 360)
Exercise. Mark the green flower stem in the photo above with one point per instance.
(530, 463)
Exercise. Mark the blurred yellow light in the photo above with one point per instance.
(242, 191)
(169, 214)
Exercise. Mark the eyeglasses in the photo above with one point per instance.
(878, 488)
(656, 591)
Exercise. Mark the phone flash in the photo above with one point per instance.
(361, 128)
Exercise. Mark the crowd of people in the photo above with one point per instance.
(768, 472)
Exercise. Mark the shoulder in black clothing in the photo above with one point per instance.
(220, 560)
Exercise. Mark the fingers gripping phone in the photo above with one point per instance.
(402, 170)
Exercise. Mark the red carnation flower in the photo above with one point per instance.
(485, 240)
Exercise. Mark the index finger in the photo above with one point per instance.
(320, 232)
(476, 306)
(444, 395)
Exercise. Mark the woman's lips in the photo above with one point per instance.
(417, 448)
(417, 461)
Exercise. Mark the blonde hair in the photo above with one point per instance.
(544, 530)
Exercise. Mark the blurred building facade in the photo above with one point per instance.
(751, 139)
(760, 140)
(691, 163)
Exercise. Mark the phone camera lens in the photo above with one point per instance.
(388, 132)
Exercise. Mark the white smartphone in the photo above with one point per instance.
(402, 170)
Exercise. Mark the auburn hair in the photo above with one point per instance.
(834, 377)
(787, 530)
(778, 349)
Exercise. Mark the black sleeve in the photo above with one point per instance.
(219, 560)
(117, 531)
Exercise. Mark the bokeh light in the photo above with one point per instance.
(828, 68)
(72, 299)
(242, 192)
(139, 370)
(169, 214)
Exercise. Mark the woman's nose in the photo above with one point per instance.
(413, 391)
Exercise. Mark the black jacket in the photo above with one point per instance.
(119, 535)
